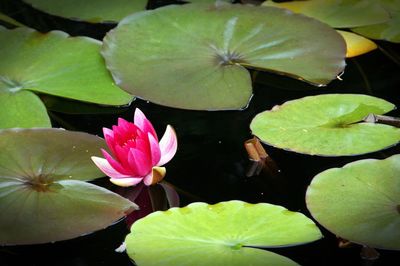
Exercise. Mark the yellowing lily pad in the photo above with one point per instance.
(90, 10)
(390, 30)
(327, 125)
(356, 44)
(43, 196)
(55, 64)
(227, 233)
(201, 63)
(338, 13)
(360, 202)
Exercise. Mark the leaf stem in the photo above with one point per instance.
(383, 119)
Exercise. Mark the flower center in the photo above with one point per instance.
(236, 246)
(40, 183)
(229, 58)
(129, 143)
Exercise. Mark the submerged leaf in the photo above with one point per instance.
(228, 232)
(90, 10)
(43, 196)
(360, 202)
(327, 125)
(200, 64)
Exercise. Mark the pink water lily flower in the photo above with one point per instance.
(136, 153)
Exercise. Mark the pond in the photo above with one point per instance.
(211, 163)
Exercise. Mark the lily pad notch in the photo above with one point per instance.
(327, 125)
(360, 202)
(201, 64)
(230, 233)
(43, 193)
(55, 64)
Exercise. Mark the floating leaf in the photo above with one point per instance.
(228, 233)
(326, 125)
(390, 30)
(43, 196)
(360, 202)
(90, 10)
(356, 44)
(338, 13)
(199, 63)
(22, 109)
(55, 64)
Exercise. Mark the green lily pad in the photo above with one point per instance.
(390, 30)
(200, 63)
(327, 125)
(360, 202)
(43, 196)
(228, 233)
(338, 13)
(55, 64)
(94, 11)
(22, 109)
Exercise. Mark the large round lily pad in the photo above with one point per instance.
(360, 202)
(55, 64)
(338, 13)
(43, 196)
(227, 233)
(327, 125)
(90, 10)
(200, 63)
(390, 30)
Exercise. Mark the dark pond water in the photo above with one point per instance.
(211, 162)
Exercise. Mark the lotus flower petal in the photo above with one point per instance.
(143, 123)
(126, 182)
(136, 153)
(141, 162)
(114, 164)
(109, 138)
(106, 168)
(143, 145)
(154, 149)
(168, 145)
(121, 154)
